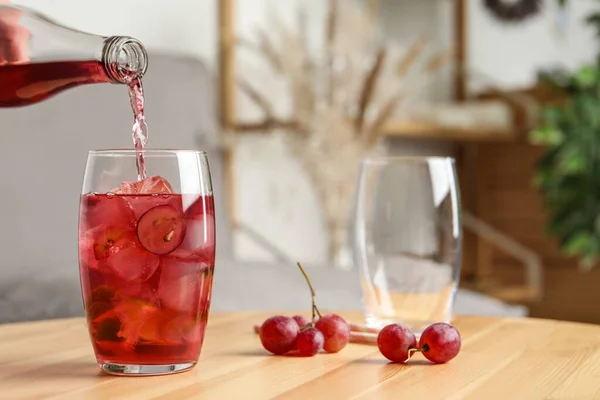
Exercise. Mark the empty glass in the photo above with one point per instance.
(407, 240)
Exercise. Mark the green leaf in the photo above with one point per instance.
(578, 244)
(572, 161)
(587, 108)
(586, 77)
(553, 116)
(568, 174)
(546, 135)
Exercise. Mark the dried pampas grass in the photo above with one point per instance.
(341, 100)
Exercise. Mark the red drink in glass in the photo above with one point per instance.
(146, 265)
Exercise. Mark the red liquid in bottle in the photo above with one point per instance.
(25, 84)
(30, 83)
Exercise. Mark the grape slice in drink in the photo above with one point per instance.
(109, 239)
(161, 229)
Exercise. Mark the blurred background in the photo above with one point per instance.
(508, 88)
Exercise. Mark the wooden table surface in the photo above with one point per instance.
(500, 359)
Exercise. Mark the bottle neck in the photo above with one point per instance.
(124, 59)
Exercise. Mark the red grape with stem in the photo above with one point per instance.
(396, 342)
(303, 322)
(310, 341)
(336, 332)
(278, 334)
(333, 327)
(440, 342)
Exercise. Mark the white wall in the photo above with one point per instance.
(180, 26)
(272, 194)
(512, 54)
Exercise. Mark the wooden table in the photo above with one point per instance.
(500, 359)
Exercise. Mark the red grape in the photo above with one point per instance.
(310, 341)
(394, 341)
(301, 320)
(335, 331)
(278, 334)
(440, 342)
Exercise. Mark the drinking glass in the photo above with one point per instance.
(407, 240)
(146, 258)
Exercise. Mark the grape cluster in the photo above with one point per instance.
(306, 337)
(439, 343)
(282, 335)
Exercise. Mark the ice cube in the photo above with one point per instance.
(97, 244)
(119, 250)
(198, 205)
(141, 204)
(179, 285)
(129, 187)
(152, 185)
(141, 291)
(132, 262)
(183, 327)
(200, 232)
(203, 257)
(194, 333)
(109, 239)
(98, 209)
(87, 259)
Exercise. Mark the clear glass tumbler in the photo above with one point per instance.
(146, 259)
(407, 240)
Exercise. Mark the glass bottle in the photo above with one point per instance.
(40, 57)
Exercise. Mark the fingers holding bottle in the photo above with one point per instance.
(13, 36)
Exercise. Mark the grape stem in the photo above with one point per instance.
(315, 310)
(411, 352)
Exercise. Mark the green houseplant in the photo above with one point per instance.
(568, 175)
